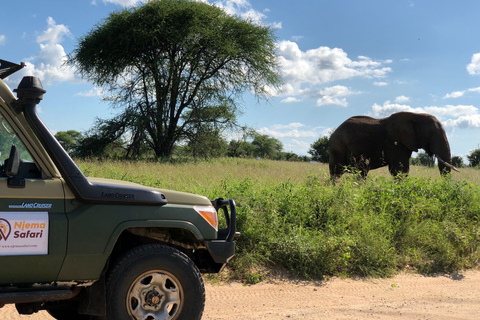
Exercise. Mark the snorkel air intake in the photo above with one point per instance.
(30, 92)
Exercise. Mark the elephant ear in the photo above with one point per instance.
(403, 131)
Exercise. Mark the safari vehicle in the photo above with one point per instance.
(88, 248)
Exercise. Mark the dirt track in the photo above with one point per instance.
(402, 297)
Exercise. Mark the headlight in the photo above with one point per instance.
(208, 213)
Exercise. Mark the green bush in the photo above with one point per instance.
(313, 228)
(372, 228)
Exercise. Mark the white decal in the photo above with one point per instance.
(23, 233)
(33, 205)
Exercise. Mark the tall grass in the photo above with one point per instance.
(291, 216)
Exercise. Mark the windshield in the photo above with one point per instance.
(7, 139)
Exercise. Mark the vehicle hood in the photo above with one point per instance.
(173, 197)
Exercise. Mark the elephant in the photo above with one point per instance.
(366, 143)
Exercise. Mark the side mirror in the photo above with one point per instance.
(13, 162)
(12, 167)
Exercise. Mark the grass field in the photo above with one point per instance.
(292, 218)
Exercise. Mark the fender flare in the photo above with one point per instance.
(177, 224)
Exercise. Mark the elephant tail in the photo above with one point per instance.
(447, 164)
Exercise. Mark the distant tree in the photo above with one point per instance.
(166, 61)
(266, 147)
(69, 140)
(425, 159)
(474, 158)
(240, 149)
(319, 150)
(289, 156)
(422, 159)
(204, 130)
(457, 161)
(207, 143)
(100, 138)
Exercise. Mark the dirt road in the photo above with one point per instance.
(402, 297)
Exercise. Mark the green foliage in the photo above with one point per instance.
(9, 139)
(69, 140)
(474, 158)
(319, 150)
(170, 64)
(266, 147)
(240, 149)
(423, 159)
(457, 162)
(207, 143)
(292, 217)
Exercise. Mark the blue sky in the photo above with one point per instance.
(338, 59)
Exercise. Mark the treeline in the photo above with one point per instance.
(213, 145)
(208, 145)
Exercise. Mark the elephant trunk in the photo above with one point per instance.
(440, 161)
(440, 147)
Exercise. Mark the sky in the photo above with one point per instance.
(337, 59)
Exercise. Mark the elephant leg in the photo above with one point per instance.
(336, 164)
(364, 173)
(396, 168)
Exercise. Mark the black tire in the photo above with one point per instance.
(143, 281)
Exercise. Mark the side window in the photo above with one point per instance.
(27, 168)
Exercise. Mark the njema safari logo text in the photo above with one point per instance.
(23, 233)
(22, 229)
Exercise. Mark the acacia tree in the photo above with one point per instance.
(167, 60)
(474, 157)
(266, 147)
(69, 139)
(319, 149)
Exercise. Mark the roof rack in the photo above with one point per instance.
(7, 68)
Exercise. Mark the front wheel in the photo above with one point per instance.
(155, 282)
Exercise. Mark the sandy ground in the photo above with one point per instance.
(403, 297)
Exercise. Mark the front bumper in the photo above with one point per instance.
(223, 248)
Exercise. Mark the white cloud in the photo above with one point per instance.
(297, 147)
(462, 116)
(49, 63)
(292, 130)
(334, 96)
(402, 99)
(464, 122)
(447, 111)
(327, 100)
(243, 9)
(290, 100)
(54, 33)
(380, 83)
(2, 39)
(294, 133)
(293, 125)
(124, 3)
(302, 71)
(452, 111)
(474, 89)
(296, 137)
(455, 94)
(474, 67)
(95, 92)
(385, 110)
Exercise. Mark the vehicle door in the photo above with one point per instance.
(33, 225)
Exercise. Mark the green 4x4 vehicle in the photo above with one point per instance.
(88, 248)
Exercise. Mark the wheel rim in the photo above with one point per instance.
(155, 295)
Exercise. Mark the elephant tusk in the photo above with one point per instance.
(447, 164)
